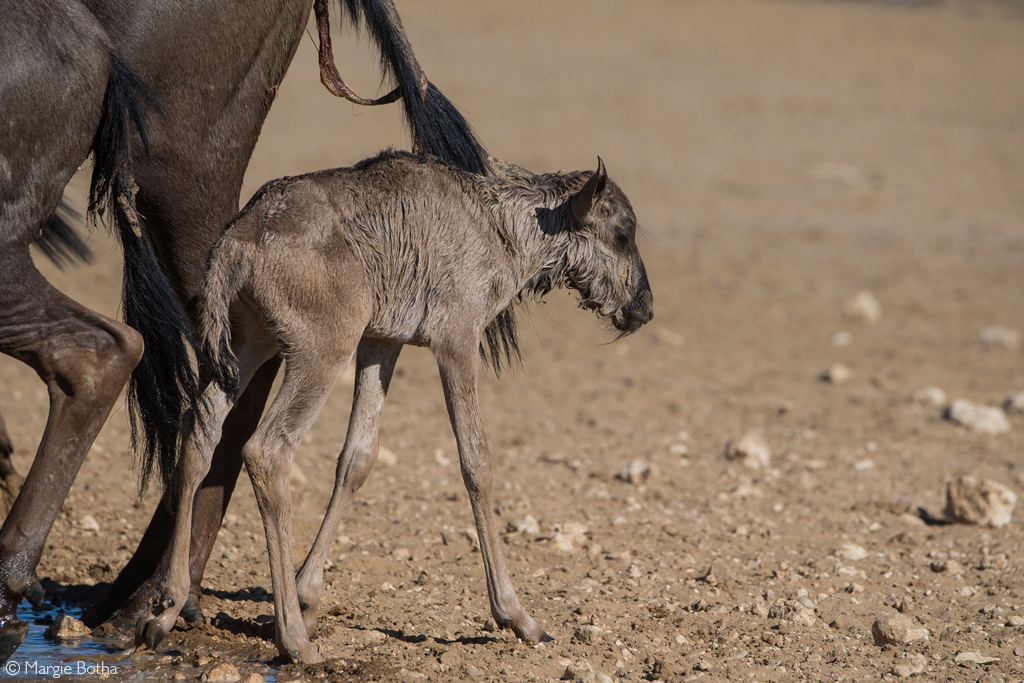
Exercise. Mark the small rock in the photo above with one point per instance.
(950, 566)
(252, 677)
(222, 671)
(668, 337)
(387, 457)
(849, 551)
(1016, 621)
(574, 670)
(910, 664)
(985, 502)
(89, 523)
(527, 526)
(978, 418)
(971, 657)
(569, 536)
(997, 336)
(718, 574)
(66, 627)
(841, 339)
(897, 629)
(865, 307)
(836, 374)
(595, 677)
(586, 635)
(930, 395)
(1014, 403)
(751, 450)
(637, 472)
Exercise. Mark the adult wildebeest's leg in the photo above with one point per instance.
(85, 359)
(10, 480)
(458, 363)
(141, 577)
(375, 363)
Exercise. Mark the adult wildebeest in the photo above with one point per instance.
(214, 69)
(400, 249)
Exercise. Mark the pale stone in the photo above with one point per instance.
(849, 551)
(1014, 403)
(224, 672)
(637, 472)
(89, 523)
(836, 374)
(1000, 337)
(930, 395)
(897, 629)
(985, 502)
(865, 307)
(910, 665)
(973, 657)
(978, 418)
(66, 627)
(387, 457)
(752, 450)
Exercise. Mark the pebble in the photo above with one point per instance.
(972, 657)
(909, 665)
(836, 374)
(718, 574)
(930, 395)
(574, 670)
(637, 472)
(569, 536)
(1016, 621)
(752, 450)
(1014, 403)
(66, 627)
(89, 523)
(977, 417)
(985, 502)
(252, 677)
(849, 551)
(864, 306)
(527, 526)
(897, 629)
(586, 635)
(951, 566)
(997, 336)
(223, 671)
(594, 677)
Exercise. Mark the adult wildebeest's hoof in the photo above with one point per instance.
(35, 594)
(192, 611)
(148, 633)
(12, 634)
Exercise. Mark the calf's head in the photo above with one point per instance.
(603, 262)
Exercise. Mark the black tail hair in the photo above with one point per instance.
(434, 121)
(501, 336)
(164, 386)
(59, 240)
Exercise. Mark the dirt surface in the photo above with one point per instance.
(783, 156)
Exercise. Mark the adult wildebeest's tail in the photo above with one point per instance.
(435, 122)
(59, 240)
(164, 384)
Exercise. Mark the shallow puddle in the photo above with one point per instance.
(92, 659)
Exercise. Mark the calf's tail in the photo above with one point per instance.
(225, 275)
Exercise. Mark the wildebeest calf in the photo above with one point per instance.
(400, 249)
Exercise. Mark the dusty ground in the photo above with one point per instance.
(783, 156)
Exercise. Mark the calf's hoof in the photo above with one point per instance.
(305, 654)
(12, 634)
(530, 631)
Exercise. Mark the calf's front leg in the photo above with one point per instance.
(458, 366)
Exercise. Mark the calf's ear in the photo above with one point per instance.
(583, 201)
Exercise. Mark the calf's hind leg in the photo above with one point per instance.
(458, 365)
(308, 379)
(375, 362)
